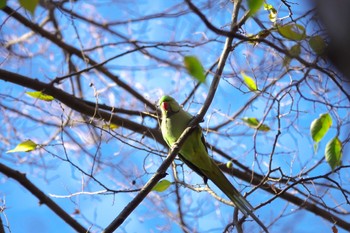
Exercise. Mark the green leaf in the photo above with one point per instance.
(29, 5)
(25, 146)
(195, 68)
(261, 35)
(249, 82)
(286, 61)
(162, 186)
(254, 123)
(268, 7)
(40, 95)
(272, 12)
(320, 126)
(292, 31)
(295, 50)
(254, 6)
(110, 126)
(317, 44)
(2, 4)
(333, 152)
(273, 15)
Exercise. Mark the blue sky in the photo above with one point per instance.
(294, 150)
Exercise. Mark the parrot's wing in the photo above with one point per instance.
(194, 168)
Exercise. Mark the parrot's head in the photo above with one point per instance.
(168, 105)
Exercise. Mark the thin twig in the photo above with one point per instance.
(25, 182)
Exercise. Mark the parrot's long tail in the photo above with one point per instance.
(243, 205)
(220, 180)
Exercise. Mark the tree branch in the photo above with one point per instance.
(160, 173)
(256, 180)
(86, 108)
(286, 52)
(23, 180)
(78, 104)
(78, 53)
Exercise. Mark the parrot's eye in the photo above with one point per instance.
(165, 106)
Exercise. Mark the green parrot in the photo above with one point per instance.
(195, 155)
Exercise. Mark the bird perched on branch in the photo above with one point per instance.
(195, 155)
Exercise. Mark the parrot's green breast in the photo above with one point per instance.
(193, 149)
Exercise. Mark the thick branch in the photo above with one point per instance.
(286, 52)
(78, 104)
(86, 108)
(23, 180)
(256, 180)
(173, 152)
(36, 28)
(106, 113)
(161, 172)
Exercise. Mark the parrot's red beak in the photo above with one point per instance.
(165, 106)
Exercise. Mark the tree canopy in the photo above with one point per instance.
(79, 86)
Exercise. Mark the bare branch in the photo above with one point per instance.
(23, 180)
